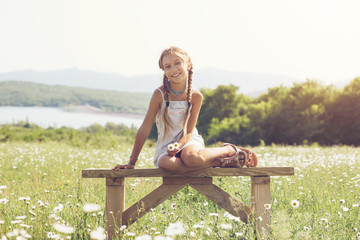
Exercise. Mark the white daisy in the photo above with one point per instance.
(98, 234)
(16, 221)
(24, 234)
(176, 145)
(295, 203)
(53, 235)
(25, 225)
(91, 207)
(160, 237)
(198, 226)
(14, 233)
(24, 198)
(226, 226)
(213, 214)
(171, 147)
(231, 217)
(58, 208)
(324, 219)
(63, 228)
(267, 206)
(143, 237)
(32, 212)
(175, 229)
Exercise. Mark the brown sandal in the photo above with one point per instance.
(244, 157)
(252, 158)
(238, 159)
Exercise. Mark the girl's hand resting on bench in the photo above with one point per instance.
(126, 166)
(130, 165)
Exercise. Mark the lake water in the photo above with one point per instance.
(56, 117)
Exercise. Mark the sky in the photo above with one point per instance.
(307, 39)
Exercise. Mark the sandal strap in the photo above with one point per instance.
(238, 150)
(235, 158)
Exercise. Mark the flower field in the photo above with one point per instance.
(42, 196)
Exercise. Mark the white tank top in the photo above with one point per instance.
(176, 116)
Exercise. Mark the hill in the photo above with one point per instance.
(250, 83)
(18, 93)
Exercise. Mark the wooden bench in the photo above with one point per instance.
(201, 180)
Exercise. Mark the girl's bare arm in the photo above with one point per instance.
(144, 130)
(196, 102)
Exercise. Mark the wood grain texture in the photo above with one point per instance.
(260, 195)
(187, 180)
(115, 181)
(115, 204)
(152, 200)
(207, 172)
(225, 200)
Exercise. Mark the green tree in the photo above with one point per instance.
(296, 115)
(342, 116)
(219, 103)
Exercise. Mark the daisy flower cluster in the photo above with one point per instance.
(173, 146)
(42, 195)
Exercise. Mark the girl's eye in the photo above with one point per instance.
(167, 67)
(177, 63)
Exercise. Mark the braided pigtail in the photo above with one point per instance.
(189, 96)
(165, 116)
(185, 57)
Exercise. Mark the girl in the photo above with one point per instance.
(175, 106)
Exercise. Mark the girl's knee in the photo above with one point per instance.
(192, 159)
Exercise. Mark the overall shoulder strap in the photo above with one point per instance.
(162, 94)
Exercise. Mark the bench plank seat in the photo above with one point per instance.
(208, 172)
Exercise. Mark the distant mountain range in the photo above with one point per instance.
(251, 84)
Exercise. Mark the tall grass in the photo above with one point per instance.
(41, 184)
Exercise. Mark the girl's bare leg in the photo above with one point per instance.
(194, 158)
(172, 164)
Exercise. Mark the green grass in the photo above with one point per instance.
(46, 174)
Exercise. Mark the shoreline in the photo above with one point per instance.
(72, 117)
(93, 110)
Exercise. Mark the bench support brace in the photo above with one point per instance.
(117, 216)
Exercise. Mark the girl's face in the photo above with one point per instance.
(175, 68)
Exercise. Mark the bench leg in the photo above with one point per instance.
(225, 200)
(260, 195)
(115, 204)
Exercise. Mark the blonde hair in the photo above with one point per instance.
(186, 58)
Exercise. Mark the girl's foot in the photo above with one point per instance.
(242, 157)
(252, 158)
(238, 159)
